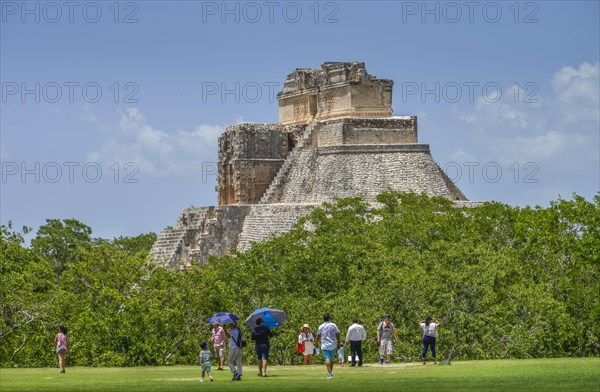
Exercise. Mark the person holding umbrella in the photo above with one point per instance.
(218, 333)
(235, 351)
(270, 318)
(329, 335)
(261, 334)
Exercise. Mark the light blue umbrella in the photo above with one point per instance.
(273, 318)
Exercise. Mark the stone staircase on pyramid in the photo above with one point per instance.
(170, 244)
(273, 192)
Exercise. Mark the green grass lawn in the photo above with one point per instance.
(543, 375)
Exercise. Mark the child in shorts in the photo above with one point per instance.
(341, 356)
(205, 361)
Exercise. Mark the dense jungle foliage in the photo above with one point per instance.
(505, 282)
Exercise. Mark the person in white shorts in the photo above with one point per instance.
(386, 335)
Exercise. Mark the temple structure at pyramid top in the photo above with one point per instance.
(333, 91)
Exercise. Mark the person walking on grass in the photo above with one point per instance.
(205, 361)
(307, 338)
(340, 353)
(355, 336)
(430, 332)
(329, 335)
(386, 335)
(235, 351)
(261, 334)
(61, 344)
(218, 338)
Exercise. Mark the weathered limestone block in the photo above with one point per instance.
(264, 220)
(220, 232)
(343, 171)
(396, 130)
(198, 233)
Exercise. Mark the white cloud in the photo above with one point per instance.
(157, 152)
(578, 92)
(516, 110)
(562, 129)
(544, 147)
(557, 138)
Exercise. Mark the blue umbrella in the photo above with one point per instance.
(223, 318)
(273, 318)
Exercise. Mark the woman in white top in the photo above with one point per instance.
(430, 331)
(307, 337)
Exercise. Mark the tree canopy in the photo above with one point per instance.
(506, 282)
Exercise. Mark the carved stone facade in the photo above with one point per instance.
(335, 90)
(336, 137)
(250, 155)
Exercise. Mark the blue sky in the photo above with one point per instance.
(111, 111)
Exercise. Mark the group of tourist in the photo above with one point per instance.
(261, 335)
(328, 335)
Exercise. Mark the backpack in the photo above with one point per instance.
(300, 345)
(241, 340)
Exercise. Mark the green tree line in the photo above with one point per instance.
(506, 282)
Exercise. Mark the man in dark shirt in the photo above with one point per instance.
(261, 335)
